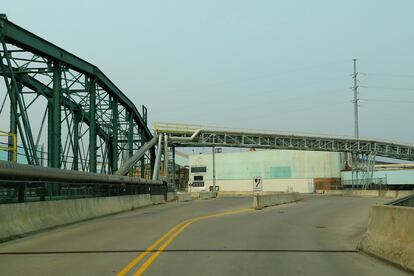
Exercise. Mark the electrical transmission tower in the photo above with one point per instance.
(362, 164)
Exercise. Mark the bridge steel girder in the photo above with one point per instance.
(85, 115)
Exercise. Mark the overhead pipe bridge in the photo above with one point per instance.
(182, 135)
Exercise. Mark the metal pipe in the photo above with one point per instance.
(156, 171)
(13, 171)
(177, 138)
(136, 157)
(166, 157)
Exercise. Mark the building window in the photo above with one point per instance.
(198, 178)
(198, 184)
(198, 169)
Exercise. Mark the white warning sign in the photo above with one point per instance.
(257, 184)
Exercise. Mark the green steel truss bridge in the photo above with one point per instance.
(66, 112)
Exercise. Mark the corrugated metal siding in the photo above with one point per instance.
(270, 164)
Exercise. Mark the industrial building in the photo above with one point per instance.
(280, 170)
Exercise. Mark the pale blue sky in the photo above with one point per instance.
(254, 64)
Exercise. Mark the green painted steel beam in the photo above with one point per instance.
(54, 119)
(76, 122)
(91, 87)
(26, 40)
(130, 140)
(115, 130)
(42, 89)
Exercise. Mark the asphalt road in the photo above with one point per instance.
(317, 236)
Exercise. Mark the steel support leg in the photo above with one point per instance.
(115, 129)
(131, 141)
(54, 119)
(76, 120)
(92, 126)
(142, 161)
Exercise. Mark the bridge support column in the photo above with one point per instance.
(142, 161)
(143, 141)
(131, 140)
(54, 119)
(76, 120)
(115, 129)
(91, 87)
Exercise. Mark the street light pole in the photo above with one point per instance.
(214, 168)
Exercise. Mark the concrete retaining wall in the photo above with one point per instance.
(265, 200)
(390, 235)
(181, 197)
(22, 218)
(366, 193)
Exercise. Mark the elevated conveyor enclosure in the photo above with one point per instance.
(181, 135)
(66, 112)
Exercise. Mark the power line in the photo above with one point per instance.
(387, 88)
(388, 101)
(388, 75)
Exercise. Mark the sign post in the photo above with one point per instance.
(257, 184)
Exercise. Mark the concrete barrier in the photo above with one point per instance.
(330, 192)
(265, 200)
(390, 235)
(366, 193)
(23, 218)
(182, 197)
(158, 199)
(233, 193)
(241, 193)
(207, 195)
(171, 196)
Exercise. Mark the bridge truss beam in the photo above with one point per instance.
(293, 142)
(55, 98)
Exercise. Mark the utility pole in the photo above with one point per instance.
(355, 101)
(214, 168)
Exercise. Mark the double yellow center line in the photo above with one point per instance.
(168, 237)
